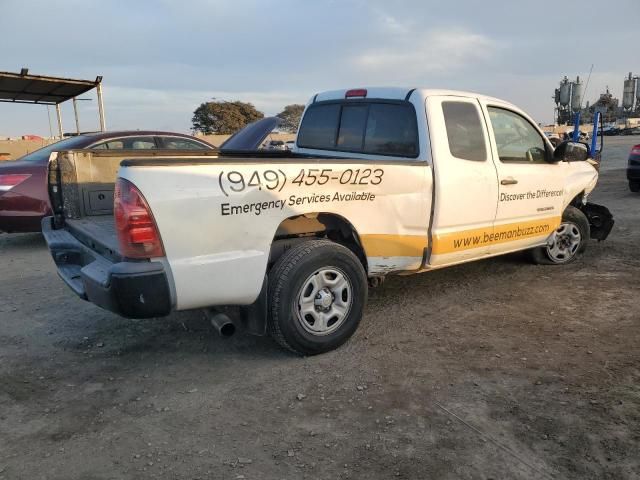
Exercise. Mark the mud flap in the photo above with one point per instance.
(600, 220)
(254, 316)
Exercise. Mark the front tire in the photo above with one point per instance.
(568, 241)
(634, 186)
(317, 293)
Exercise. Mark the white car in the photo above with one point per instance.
(383, 181)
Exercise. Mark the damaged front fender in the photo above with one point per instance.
(600, 220)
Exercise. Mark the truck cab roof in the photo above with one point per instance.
(394, 122)
(399, 93)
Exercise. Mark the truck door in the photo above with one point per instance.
(465, 181)
(530, 188)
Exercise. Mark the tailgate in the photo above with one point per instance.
(97, 233)
(133, 289)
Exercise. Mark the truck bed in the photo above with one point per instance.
(81, 182)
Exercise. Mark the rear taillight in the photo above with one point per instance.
(635, 150)
(137, 231)
(10, 180)
(356, 92)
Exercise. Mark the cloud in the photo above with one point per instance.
(435, 51)
(161, 58)
(121, 98)
(143, 108)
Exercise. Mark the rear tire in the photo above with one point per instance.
(317, 293)
(569, 241)
(634, 186)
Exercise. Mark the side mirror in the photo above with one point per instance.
(571, 152)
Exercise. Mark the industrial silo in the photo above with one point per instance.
(628, 92)
(576, 95)
(565, 92)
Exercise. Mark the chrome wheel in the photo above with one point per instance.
(564, 243)
(324, 301)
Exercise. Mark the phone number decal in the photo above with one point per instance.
(234, 181)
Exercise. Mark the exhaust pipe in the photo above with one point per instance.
(221, 322)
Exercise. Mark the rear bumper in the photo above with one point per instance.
(23, 206)
(130, 289)
(20, 217)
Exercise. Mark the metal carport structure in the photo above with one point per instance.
(37, 89)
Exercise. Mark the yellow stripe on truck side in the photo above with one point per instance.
(482, 237)
(382, 245)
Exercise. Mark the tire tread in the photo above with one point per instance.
(280, 273)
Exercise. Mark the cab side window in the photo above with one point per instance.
(516, 139)
(464, 131)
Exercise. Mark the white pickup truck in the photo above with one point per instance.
(381, 181)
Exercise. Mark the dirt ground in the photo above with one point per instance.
(496, 369)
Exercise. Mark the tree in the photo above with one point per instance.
(224, 118)
(290, 117)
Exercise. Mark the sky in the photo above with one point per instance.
(161, 58)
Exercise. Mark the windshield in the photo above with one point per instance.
(43, 153)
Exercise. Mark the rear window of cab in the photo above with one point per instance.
(368, 127)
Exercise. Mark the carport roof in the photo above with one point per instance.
(25, 88)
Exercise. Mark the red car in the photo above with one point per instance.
(24, 199)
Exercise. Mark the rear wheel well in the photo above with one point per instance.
(331, 226)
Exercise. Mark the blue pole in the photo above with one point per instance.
(576, 127)
(594, 138)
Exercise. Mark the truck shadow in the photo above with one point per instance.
(181, 333)
(190, 334)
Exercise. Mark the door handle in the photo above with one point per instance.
(508, 181)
